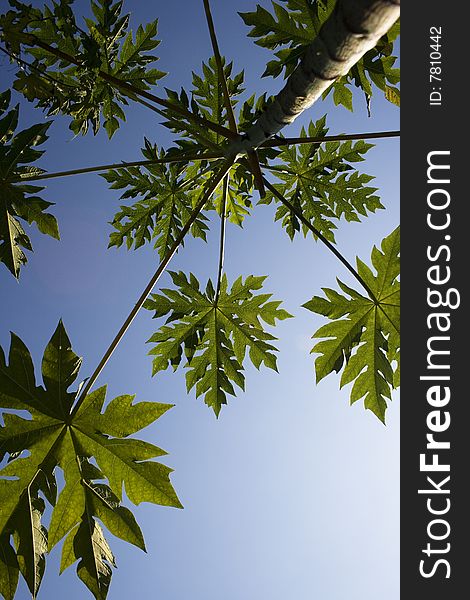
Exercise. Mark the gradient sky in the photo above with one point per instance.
(291, 493)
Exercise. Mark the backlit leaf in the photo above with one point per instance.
(98, 459)
(214, 333)
(319, 179)
(206, 100)
(165, 201)
(362, 337)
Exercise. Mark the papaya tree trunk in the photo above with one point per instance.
(353, 28)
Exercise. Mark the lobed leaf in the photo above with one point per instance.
(17, 205)
(205, 99)
(214, 333)
(92, 447)
(319, 179)
(106, 44)
(165, 195)
(362, 337)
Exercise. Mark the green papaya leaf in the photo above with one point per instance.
(214, 333)
(73, 86)
(90, 443)
(362, 337)
(19, 203)
(205, 99)
(165, 201)
(319, 179)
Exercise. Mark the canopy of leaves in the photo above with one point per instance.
(291, 27)
(166, 193)
(98, 460)
(17, 200)
(363, 335)
(320, 182)
(213, 332)
(60, 85)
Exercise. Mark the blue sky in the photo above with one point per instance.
(291, 493)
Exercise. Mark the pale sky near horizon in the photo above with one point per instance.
(291, 493)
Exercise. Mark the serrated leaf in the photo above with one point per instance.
(56, 436)
(319, 179)
(165, 203)
(59, 85)
(295, 25)
(362, 337)
(133, 52)
(214, 333)
(16, 202)
(205, 99)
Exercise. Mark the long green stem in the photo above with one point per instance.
(156, 276)
(321, 237)
(208, 155)
(220, 67)
(34, 41)
(253, 161)
(277, 141)
(123, 165)
(223, 219)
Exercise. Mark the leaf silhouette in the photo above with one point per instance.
(17, 203)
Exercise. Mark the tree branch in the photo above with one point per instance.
(156, 276)
(353, 28)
